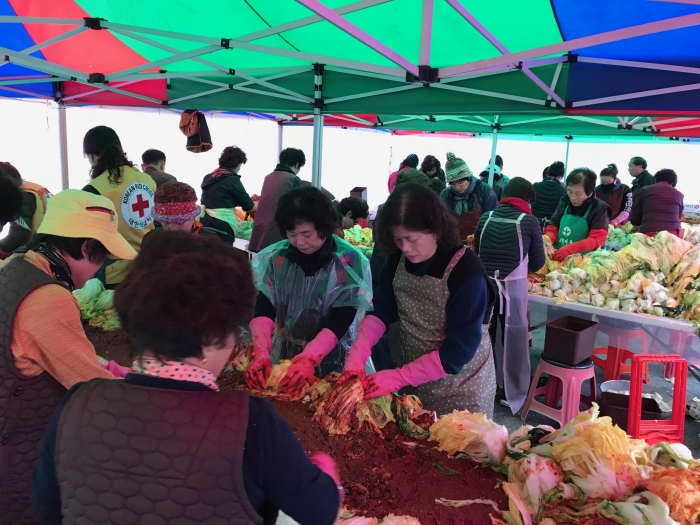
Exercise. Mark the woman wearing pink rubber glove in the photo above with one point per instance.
(439, 293)
(314, 288)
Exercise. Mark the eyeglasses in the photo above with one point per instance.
(455, 182)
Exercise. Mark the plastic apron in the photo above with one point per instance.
(421, 303)
(303, 302)
(572, 229)
(513, 302)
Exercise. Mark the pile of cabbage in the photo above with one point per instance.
(97, 305)
(590, 467)
(648, 275)
(361, 238)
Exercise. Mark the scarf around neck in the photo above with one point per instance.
(611, 188)
(461, 200)
(57, 263)
(154, 367)
(518, 204)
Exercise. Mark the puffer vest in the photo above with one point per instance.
(26, 403)
(129, 455)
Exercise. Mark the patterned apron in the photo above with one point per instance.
(421, 304)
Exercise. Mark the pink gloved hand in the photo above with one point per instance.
(261, 329)
(424, 369)
(369, 332)
(327, 465)
(117, 371)
(301, 372)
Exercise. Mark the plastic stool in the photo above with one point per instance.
(564, 382)
(654, 431)
(677, 341)
(616, 354)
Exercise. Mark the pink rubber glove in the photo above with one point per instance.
(261, 328)
(424, 369)
(118, 371)
(301, 373)
(369, 332)
(327, 465)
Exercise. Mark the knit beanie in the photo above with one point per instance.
(410, 175)
(456, 168)
(175, 202)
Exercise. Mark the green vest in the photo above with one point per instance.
(572, 228)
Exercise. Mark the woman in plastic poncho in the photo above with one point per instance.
(438, 291)
(115, 177)
(314, 289)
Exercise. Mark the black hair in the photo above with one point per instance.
(306, 204)
(609, 171)
(184, 292)
(9, 171)
(436, 185)
(152, 156)
(666, 175)
(586, 175)
(545, 173)
(430, 163)
(72, 246)
(520, 188)
(499, 161)
(639, 161)
(232, 157)
(292, 157)
(358, 207)
(104, 142)
(416, 208)
(556, 170)
(10, 200)
(411, 161)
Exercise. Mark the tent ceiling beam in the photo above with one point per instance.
(531, 121)
(651, 122)
(268, 85)
(30, 81)
(635, 119)
(358, 119)
(307, 21)
(594, 121)
(179, 57)
(639, 94)
(38, 64)
(461, 119)
(40, 20)
(51, 41)
(23, 92)
(400, 120)
(405, 87)
(680, 128)
(242, 87)
(169, 75)
(197, 95)
(356, 72)
(357, 33)
(484, 120)
(640, 65)
(95, 91)
(664, 122)
(169, 49)
(483, 31)
(122, 92)
(426, 32)
(578, 43)
(493, 94)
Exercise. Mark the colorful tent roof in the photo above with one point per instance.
(596, 67)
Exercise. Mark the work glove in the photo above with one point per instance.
(117, 371)
(261, 329)
(301, 373)
(423, 370)
(369, 332)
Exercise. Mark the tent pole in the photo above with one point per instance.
(280, 136)
(566, 159)
(63, 144)
(494, 143)
(318, 126)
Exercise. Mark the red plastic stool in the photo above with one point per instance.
(616, 356)
(654, 431)
(564, 382)
(677, 341)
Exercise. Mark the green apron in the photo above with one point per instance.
(572, 229)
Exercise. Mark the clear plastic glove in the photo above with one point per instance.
(299, 375)
(384, 382)
(258, 372)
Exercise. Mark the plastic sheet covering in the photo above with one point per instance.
(303, 302)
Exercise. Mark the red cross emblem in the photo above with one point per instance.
(140, 205)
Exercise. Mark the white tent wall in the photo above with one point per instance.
(351, 157)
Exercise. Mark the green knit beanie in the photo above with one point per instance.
(456, 168)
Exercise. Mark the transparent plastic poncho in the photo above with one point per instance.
(302, 302)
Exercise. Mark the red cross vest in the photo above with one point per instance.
(133, 200)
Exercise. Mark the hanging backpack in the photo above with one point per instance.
(194, 126)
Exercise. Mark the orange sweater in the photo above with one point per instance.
(47, 334)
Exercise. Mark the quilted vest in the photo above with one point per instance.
(129, 455)
(26, 403)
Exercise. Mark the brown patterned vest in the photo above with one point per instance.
(26, 403)
(129, 454)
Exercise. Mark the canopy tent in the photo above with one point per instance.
(598, 67)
